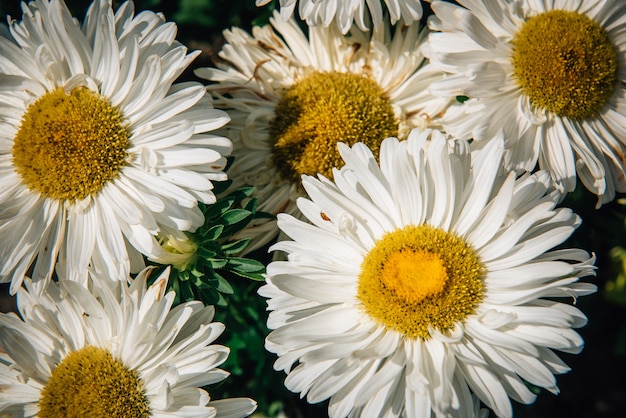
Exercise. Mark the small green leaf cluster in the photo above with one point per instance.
(218, 251)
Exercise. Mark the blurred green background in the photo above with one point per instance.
(596, 386)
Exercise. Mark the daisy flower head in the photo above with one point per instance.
(112, 351)
(550, 74)
(424, 281)
(292, 97)
(343, 13)
(98, 147)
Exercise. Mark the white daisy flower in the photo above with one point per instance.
(97, 147)
(346, 12)
(112, 352)
(550, 74)
(292, 97)
(423, 281)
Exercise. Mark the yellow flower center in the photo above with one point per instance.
(321, 110)
(414, 275)
(420, 277)
(565, 63)
(69, 145)
(90, 382)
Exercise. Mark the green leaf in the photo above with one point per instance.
(175, 286)
(223, 286)
(205, 253)
(235, 215)
(218, 208)
(196, 273)
(213, 233)
(183, 276)
(186, 292)
(243, 193)
(251, 205)
(208, 296)
(235, 247)
(245, 265)
(221, 301)
(217, 263)
(258, 277)
(220, 187)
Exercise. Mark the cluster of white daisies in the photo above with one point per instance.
(415, 174)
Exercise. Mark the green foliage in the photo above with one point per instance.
(219, 275)
(199, 19)
(206, 276)
(216, 13)
(616, 288)
(249, 363)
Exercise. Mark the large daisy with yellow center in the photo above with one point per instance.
(293, 96)
(98, 149)
(425, 280)
(105, 350)
(550, 74)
